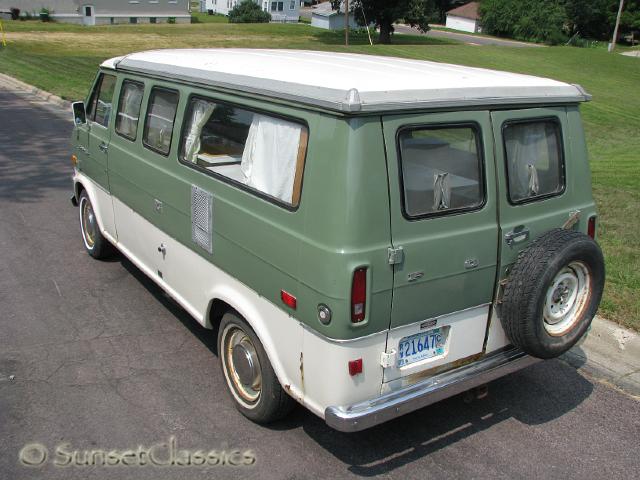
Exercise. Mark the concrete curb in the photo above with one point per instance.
(608, 353)
(33, 92)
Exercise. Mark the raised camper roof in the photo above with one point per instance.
(346, 82)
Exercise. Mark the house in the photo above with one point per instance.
(465, 18)
(101, 12)
(280, 10)
(324, 16)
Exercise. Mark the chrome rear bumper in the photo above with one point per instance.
(360, 416)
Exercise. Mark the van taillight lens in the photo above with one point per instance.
(358, 295)
(591, 227)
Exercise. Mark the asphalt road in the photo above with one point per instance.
(93, 356)
(464, 37)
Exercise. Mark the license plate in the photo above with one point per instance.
(422, 345)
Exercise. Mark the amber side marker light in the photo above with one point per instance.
(74, 160)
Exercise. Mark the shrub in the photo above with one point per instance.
(248, 12)
(45, 14)
(171, 20)
(15, 13)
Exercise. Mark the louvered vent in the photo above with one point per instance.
(201, 213)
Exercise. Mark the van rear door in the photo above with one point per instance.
(445, 235)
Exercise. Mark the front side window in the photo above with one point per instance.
(292, 5)
(535, 166)
(158, 125)
(441, 170)
(255, 150)
(129, 109)
(99, 110)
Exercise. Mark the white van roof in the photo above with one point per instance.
(348, 82)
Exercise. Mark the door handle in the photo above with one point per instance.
(517, 235)
(104, 147)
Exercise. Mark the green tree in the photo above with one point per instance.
(248, 11)
(589, 18)
(384, 13)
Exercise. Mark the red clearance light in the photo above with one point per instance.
(591, 227)
(355, 367)
(358, 295)
(288, 299)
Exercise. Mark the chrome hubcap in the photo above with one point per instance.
(566, 298)
(242, 365)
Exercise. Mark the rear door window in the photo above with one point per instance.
(161, 114)
(441, 170)
(129, 109)
(534, 158)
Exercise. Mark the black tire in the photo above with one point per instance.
(541, 279)
(94, 242)
(272, 402)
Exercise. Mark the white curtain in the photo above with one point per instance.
(526, 147)
(131, 104)
(270, 154)
(441, 191)
(200, 114)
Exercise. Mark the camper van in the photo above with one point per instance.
(363, 235)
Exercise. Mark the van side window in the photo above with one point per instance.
(262, 152)
(129, 109)
(535, 164)
(102, 100)
(441, 170)
(158, 125)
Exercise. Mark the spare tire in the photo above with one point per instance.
(552, 293)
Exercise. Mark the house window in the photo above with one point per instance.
(292, 5)
(152, 20)
(102, 100)
(259, 152)
(277, 6)
(441, 170)
(129, 109)
(535, 165)
(133, 19)
(87, 11)
(265, 7)
(158, 125)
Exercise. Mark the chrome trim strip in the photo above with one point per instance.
(366, 414)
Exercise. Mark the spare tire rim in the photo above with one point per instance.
(566, 298)
(241, 365)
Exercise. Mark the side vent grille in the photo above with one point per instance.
(201, 213)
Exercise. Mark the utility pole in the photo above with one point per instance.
(346, 22)
(612, 45)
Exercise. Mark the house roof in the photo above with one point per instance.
(345, 82)
(325, 10)
(468, 10)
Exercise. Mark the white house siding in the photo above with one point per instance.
(106, 11)
(290, 8)
(462, 24)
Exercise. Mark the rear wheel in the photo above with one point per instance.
(250, 378)
(94, 242)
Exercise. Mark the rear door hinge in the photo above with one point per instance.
(395, 255)
(388, 359)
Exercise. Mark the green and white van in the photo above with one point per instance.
(365, 235)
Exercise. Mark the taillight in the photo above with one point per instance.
(358, 295)
(591, 227)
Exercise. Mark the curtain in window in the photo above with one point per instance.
(270, 154)
(526, 146)
(130, 111)
(200, 114)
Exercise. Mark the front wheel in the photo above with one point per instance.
(94, 242)
(250, 378)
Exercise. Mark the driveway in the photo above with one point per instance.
(464, 37)
(94, 357)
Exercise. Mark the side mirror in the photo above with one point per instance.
(79, 113)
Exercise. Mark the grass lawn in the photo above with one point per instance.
(63, 59)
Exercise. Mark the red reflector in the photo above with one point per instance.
(355, 367)
(288, 299)
(358, 295)
(591, 227)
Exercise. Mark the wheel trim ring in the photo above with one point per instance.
(249, 397)
(577, 300)
(87, 221)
